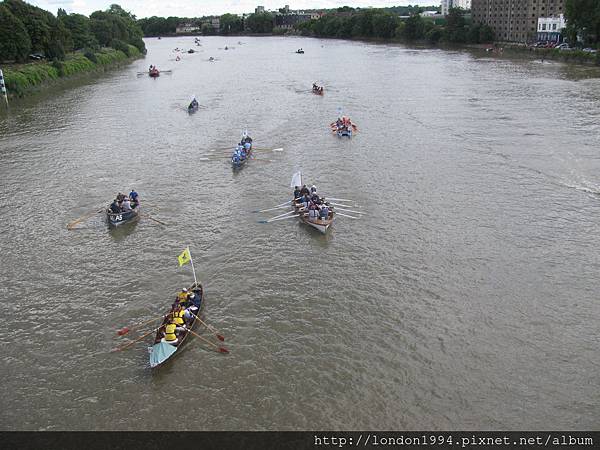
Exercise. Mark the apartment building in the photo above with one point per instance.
(514, 20)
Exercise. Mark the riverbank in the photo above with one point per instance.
(26, 79)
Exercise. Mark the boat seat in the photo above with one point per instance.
(170, 342)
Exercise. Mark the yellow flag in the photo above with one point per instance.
(184, 258)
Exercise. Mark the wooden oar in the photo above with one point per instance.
(344, 215)
(339, 204)
(275, 220)
(283, 205)
(71, 225)
(219, 349)
(210, 328)
(348, 210)
(123, 331)
(129, 344)
(281, 215)
(152, 218)
(339, 199)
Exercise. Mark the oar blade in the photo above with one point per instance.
(220, 337)
(123, 331)
(223, 350)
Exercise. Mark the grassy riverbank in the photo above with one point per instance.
(24, 79)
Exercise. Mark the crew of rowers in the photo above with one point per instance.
(309, 202)
(193, 104)
(343, 124)
(317, 89)
(152, 69)
(183, 311)
(124, 203)
(242, 150)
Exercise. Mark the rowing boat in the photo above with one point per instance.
(320, 224)
(154, 73)
(162, 351)
(116, 219)
(241, 156)
(316, 222)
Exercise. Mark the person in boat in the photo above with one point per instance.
(304, 190)
(133, 197)
(151, 67)
(114, 207)
(305, 200)
(315, 87)
(126, 206)
(313, 189)
(324, 213)
(182, 296)
(169, 333)
(313, 212)
(178, 315)
(193, 104)
(296, 192)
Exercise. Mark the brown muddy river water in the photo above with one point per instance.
(466, 296)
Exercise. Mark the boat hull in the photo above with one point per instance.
(161, 352)
(116, 219)
(318, 224)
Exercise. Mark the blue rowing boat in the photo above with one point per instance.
(116, 219)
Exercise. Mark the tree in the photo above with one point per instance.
(455, 26)
(230, 23)
(414, 27)
(260, 23)
(583, 20)
(79, 28)
(14, 40)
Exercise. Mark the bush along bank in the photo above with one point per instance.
(25, 79)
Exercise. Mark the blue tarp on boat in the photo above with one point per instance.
(160, 352)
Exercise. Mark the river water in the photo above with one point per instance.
(466, 297)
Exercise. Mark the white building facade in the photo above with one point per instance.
(447, 4)
(550, 28)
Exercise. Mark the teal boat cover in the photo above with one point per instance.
(160, 352)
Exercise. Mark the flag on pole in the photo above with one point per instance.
(185, 257)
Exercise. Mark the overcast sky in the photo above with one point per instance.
(198, 8)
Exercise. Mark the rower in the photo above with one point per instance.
(304, 190)
(169, 334)
(114, 207)
(313, 189)
(324, 212)
(178, 315)
(133, 196)
(126, 205)
(182, 296)
(296, 192)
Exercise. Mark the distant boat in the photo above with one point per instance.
(300, 51)
(154, 72)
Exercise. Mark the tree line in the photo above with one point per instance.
(384, 24)
(228, 24)
(26, 29)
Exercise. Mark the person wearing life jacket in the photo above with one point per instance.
(182, 296)
(324, 213)
(169, 334)
(178, 315)
(313, 213)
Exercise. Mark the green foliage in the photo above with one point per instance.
(15, 43)
(120, 45)
(78, 26)
(456, 30)
(230, 23)
(583, 19)
(414, 28)
(89, 54)
(260, 23)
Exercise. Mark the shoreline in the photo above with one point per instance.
(25, 80)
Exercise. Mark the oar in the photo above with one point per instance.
(338, 204)
(274, 207)
(129, 344)
(210, 328)
(71, 225)
(340, 199)
(348, 210)
(281, 215)
(123, 331)
(275, 220)
(219, 349)
(344, 215)
(152, 218)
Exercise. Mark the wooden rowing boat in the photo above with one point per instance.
(116, 219)
(162, 351)
(320, 224)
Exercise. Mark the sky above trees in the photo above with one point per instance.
(198, 8)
